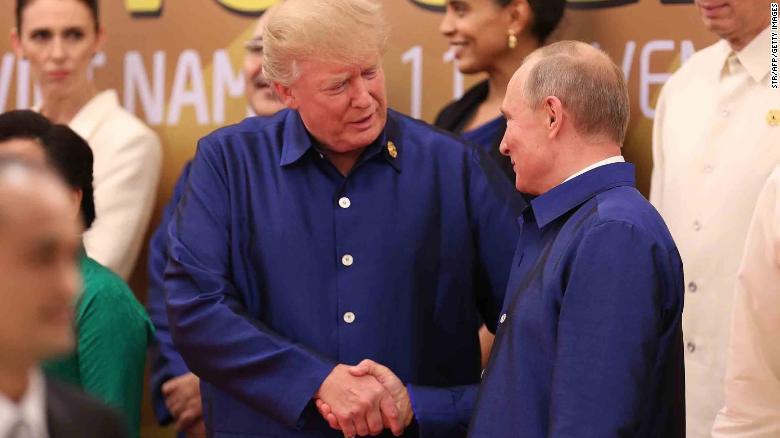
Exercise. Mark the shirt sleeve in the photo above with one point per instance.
(112, 341)
(443, 412)
(218, 339)
(166, 362)
(494, 207)
(124, 200)
(752, 384)
(622, 291)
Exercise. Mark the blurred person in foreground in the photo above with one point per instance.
(752, 386)
(175, 390)
(39, 284)
(60, 39)
(112, 328)
(715, 142)
(332, 232)
(589, 342)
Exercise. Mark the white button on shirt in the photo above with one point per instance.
(708, 213)
(349, 317)
(752, 388)
(347, 260)
(344, 202)
(30, 411)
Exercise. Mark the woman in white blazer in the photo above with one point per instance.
(59, 38)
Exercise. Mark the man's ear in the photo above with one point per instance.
(285, 94)
(553, 111)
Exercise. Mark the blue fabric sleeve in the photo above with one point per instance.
(220, 342)
(608, 333)
(443, 412)
(166, 362)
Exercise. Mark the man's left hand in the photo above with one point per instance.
(389, 380)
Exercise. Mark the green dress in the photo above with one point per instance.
(113, 331)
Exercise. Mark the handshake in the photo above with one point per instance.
(364, 400)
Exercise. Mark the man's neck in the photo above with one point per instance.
(739, 42)
(14, 380)
(581, 157)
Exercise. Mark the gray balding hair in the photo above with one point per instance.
(590, 86)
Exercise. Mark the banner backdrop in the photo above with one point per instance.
(177, 65)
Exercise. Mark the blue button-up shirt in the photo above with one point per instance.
(589, 342)
(280, 267)
(166, 362)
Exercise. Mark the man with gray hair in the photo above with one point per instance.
(589, 341)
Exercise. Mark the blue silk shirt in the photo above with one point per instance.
(166, 362)
(589, 342)
(280, 268)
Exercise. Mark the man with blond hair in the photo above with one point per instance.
(333, 233)
(589, 342)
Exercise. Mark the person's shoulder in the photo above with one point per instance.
(420, 133)
(704, 60)
(624, 208)
(72, 413)
(119, 120)
(106, 291)
(452, 113)
(252, 126)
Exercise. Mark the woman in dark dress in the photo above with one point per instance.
(492, 37)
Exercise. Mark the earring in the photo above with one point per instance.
(511, 41)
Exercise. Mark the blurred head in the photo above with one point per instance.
(259, 92)
(27, 135)
(59, 38)
(478, 29)
(565, 98)
(736, 21)
(39, 275)
(324, 58)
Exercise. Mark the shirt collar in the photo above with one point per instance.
(754, 55)
(297, 141)
(553, 204)
(610, 160)
(751, 57)
(93, 113)
(31, 408)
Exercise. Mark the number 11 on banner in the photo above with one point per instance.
(414, 56)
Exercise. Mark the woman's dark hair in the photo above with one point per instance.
(66, 152)
(547, 15)
(92, 5)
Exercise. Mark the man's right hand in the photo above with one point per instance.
(358, 403)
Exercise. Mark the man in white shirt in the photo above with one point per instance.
(752, 389)
(714, 145)
(39, 284)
